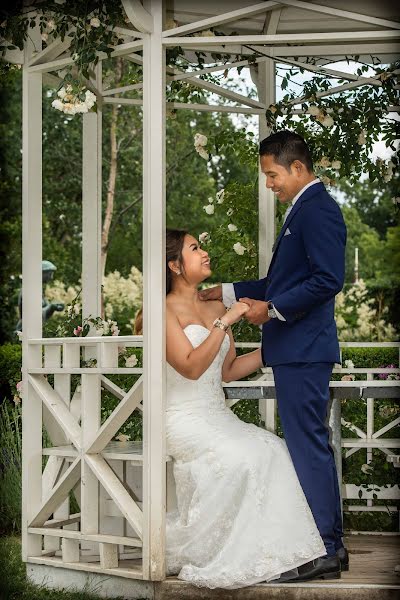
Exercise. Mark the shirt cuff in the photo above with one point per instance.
(278, 314)
(228, 294)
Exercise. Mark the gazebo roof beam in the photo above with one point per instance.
(217, 108)
(227, 17)
(127, 31)
(337, 12)
(122, 89)
(321, 70)
(119, 50)
(339, 88)
(138, 16)
(216, 89)
(283, 38)
(52, 51)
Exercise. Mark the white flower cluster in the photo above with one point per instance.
(324, 162)
(354, 303)
(321, 115)
(200, 141)
(69, 103)
(131, 361)
(121, 293)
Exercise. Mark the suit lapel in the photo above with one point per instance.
(311, 191)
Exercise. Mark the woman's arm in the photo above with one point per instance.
(237, 367)
(193, 362)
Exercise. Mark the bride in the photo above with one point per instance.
(241, 516)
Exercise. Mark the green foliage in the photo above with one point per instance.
(10, 467)
(10, 369)
(14, 584)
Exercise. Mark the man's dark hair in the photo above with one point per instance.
(286, 147)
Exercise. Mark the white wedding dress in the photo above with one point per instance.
(242, 517)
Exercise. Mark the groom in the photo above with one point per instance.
(294, 304)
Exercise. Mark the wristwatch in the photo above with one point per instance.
(220, 324)
(271, 311)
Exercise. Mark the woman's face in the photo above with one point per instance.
(195, 260)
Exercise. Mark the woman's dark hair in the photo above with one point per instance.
(286, 147)
(174, 246)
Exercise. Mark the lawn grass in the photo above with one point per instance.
(14, 584)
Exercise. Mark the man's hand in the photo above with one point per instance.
(214, 293)
(258, 311)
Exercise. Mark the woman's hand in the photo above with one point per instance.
(235, 313)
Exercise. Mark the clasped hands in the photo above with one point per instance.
(258, 310)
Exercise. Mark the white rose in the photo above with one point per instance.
(95, 22)
(122, 437)
(324, 162)
(62, 93)
(313, 110)
(325, 180)
(131, 361)
(209, 209)
(229, 212)
(57, 104)
(210, 200)
(44, 36)
(361, 138)
(202, 152)
(207, 33)
(349, 364)
(51, 25)
(366, 469)
(328, 122)
(203, 237)
(220, 196)
(232, 227)
(239, 249)
(90, 98)
(336, 164)
(200, 140)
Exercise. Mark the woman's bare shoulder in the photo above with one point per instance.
(216, 307)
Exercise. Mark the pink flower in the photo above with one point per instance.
(78, 331)
(19, 387)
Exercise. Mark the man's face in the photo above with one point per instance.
(285, 184)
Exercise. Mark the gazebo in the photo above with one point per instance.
(123, 489)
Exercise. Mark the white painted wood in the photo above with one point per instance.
(217, 108)
(109, 356)
(386, 428)
(130, 573)
(72, 520)
(78, 535)
(281, 38)
(91, 403)
(229, 94)
(50, 474)
(108, 556)
(91, 210)
(57, 408)
(122, 89)
(138, 16)
(60, 491)
(131, 341)
(346, 14)
(221, 19)
(70, 550)
(350, 492)
(87, 370)
(31, 290)
(51, 52)
(154, 472)
(61, 63)
(116, 490)
(371, 443)
(117, 418)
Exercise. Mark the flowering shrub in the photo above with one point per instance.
(357, 320)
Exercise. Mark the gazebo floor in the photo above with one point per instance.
(371, 576)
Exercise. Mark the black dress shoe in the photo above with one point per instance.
(324, 567)
(344, 558)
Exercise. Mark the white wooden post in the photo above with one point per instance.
(154, 470)
(31, 291)
(91, 300)
(265, 79)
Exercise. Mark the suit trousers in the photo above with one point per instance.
(302, 391)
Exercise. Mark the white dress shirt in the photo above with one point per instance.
(228, 291)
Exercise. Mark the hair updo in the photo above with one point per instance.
(174, 247)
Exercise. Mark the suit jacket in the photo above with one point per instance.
(306, 272)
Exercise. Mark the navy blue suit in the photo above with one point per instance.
(305, 274)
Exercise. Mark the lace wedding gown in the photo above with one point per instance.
(242, 517)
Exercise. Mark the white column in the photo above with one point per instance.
(91, 300)
(31, 291)
(265, 81)
(91, 208)
(154, 471)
